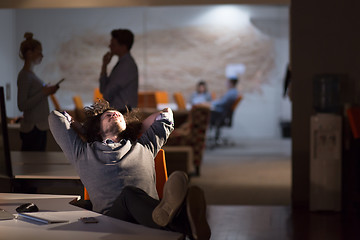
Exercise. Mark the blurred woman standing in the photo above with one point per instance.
(32, 97)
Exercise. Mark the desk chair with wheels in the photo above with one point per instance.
(221, 120)
(161, 178)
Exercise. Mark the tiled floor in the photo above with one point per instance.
(279, 223)
(256, 172)
(248, 189)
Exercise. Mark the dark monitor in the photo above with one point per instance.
(5, 161)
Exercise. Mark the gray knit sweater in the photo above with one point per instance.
(105, 169)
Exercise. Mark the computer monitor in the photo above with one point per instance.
(5, 161)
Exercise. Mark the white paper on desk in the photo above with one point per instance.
(43, 217)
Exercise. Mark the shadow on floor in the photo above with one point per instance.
(251, 172)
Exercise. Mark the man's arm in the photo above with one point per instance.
(67, 138)
(103, 73)
(156, 129)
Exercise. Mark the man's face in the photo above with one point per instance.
(115, 47)
(112, 123)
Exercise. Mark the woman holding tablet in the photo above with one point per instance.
(33, 97)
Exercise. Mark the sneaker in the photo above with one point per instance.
(196, 213)
(175, 190)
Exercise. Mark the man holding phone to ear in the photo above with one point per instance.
(120, 87)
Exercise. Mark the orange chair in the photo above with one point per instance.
(78, 102)
(236, 102)
(147, 100)
(150, 99)
(180, 100)
(161, 97)
(213, 95)
(97, 95)
(161, 174)
(79, 108)
(55, 102)
(86, 194)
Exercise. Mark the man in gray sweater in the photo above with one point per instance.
(117, 168)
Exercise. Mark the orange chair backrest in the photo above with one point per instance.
(55, 102)
(180, 100)
(78, 102)
(236, 103)
(161, 97)
(213, 95)
(86, 194)
(97, 95)
(147, 100)
(161, 174)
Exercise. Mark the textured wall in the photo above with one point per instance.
(174, 47)
(171, 60)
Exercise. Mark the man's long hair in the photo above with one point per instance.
(92, 122)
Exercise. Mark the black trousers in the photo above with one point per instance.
(35, 140)
(136, 206)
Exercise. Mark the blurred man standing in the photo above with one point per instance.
(120, 87)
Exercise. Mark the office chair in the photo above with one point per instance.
(161, 178)
(220, 120)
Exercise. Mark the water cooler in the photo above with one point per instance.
(326, 146)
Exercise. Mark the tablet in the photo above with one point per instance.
(42, 217)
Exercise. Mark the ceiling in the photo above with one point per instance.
(125, 3)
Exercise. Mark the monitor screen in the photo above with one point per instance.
(5, 161)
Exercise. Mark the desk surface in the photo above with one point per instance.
(58, 206)
(41, 165)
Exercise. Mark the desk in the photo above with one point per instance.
(15, 140)
(41, 165)
(58, 206)
(43, 172)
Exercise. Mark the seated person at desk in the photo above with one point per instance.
(117, 168)
(201, 95)
(220, 106)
